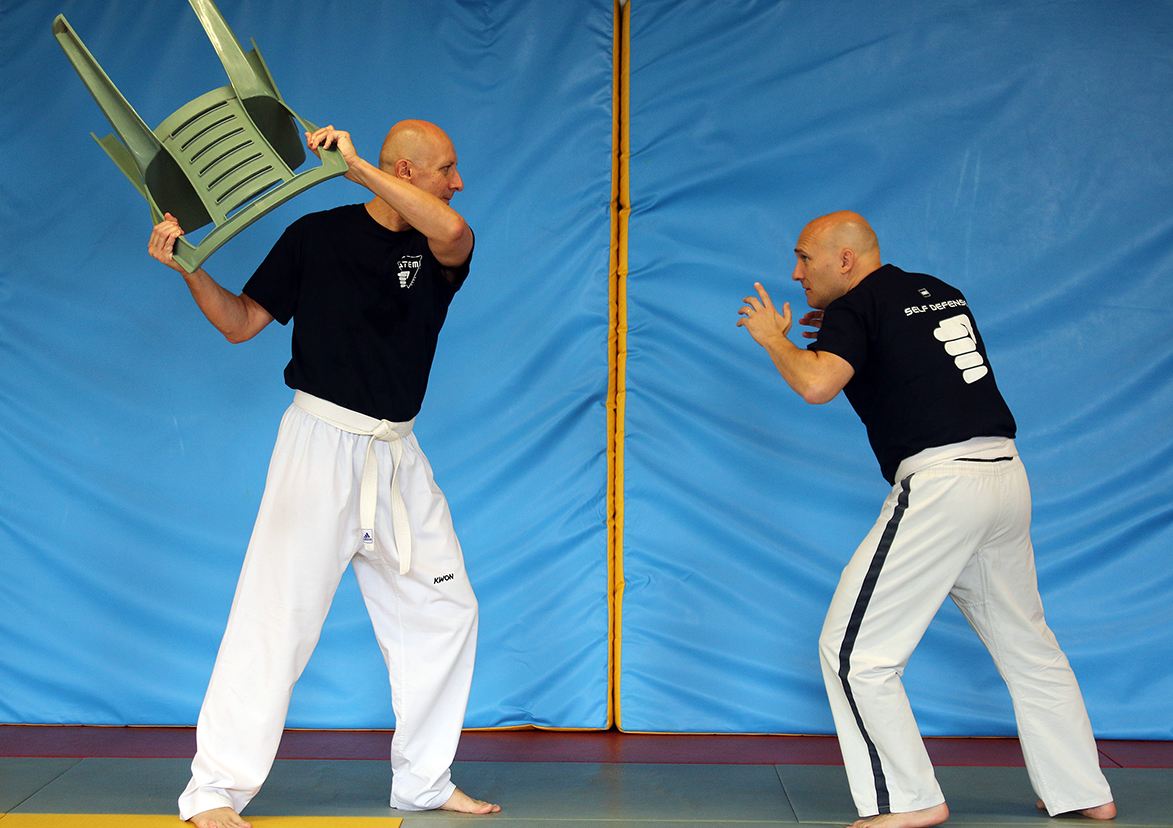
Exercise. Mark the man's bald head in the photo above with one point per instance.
(835, 252)
(422, 154)
(413, 141)
(846, 230)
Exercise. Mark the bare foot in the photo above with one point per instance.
(1105, 811)
(911, 819)
(465, 804)
(219, 818)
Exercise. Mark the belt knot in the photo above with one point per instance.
(385, 430)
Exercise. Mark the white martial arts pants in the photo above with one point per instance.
(307, 532)
(959, 528)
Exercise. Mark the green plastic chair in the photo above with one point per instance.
(226, 158)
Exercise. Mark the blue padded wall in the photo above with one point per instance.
(1017, 149)
(134, 440)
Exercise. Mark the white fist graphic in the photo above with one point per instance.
(961, 344)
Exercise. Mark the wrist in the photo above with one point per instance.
(780, 340)
(359, 170)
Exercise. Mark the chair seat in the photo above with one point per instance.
(225, 158)
(229, 160)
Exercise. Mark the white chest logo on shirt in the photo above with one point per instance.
(409, 268)
(961, 344)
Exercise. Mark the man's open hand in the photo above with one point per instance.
(762, 320)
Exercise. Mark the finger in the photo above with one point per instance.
(158, 240)
(166, 234)
(766, 303)
(813, 319)
(160, 247)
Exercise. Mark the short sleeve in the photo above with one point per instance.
(844, 334)
(276, 283)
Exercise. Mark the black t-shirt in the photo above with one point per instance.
(368, 305)
(921, 375)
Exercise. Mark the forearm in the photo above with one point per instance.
(805, 371)
(419, 208)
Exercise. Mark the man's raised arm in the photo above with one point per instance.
(417, 189)
(238, 317)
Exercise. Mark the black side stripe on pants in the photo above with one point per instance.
(857, 613)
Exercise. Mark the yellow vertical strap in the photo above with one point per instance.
(617, 341)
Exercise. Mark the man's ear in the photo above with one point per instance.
(403, 169)
(846, 260)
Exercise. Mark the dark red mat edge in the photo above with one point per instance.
(79, 741)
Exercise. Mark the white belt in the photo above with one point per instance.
(975, 448)
(388, 432)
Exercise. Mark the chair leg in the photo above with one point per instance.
(136, 135)
(247, 82)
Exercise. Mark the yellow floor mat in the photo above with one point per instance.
(170, 821)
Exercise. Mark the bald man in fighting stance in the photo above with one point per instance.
(906, 351)
(368, 287)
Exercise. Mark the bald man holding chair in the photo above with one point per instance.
(368, 287)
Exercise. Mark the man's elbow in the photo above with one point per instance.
(453, 233)
(241, 334)
(241, 329)
(829, 377)
(819, 393)
(452, 245)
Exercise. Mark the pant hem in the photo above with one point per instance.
(439, 799)
(202, 801)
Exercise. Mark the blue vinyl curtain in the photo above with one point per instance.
(134, 440)
(1017, 149)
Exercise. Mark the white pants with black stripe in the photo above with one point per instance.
(307, 532)
(959, 528)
